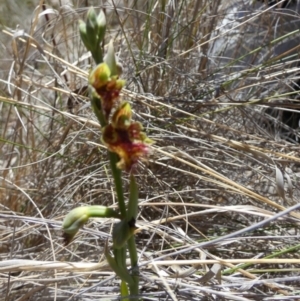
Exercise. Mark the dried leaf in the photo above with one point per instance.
(215, 271)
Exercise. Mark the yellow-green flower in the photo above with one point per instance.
(125, 138)
(107, 87)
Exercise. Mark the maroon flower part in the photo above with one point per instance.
(107, 87)
(126, 138)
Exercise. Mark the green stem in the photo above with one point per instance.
(96, 105)
(134, 288)
(117, 175)
(132, 208)
(124, 291)
(133, 253)
(97, 55)
(116, 172)
(132, 214)
(273, 255)
(113, 158)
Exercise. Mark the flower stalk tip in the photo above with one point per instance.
(92, 33)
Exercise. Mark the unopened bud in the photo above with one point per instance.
(101, 24)
(99, 76)
(77, 217)
(83, 35)
(92, 29)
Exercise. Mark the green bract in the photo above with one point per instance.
(122, 231)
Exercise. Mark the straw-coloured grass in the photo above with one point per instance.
(221, 164)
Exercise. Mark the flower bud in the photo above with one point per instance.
(77, 217)
(83, 35)
(100, 76)
(101, 24)
(92, 29)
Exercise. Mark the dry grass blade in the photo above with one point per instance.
(16, 265)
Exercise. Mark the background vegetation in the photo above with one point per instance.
(221, 162)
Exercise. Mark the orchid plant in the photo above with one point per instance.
(126, 143)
